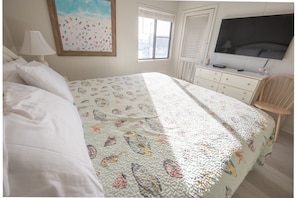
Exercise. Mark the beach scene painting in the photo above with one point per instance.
(83, 27)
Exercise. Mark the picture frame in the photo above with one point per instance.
(84, 28)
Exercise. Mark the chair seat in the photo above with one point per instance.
(272, 108)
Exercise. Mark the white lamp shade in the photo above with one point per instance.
(35, 44)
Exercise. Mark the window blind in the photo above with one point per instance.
(155, 14)
(195, 36)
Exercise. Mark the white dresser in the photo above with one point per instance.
(241, 85)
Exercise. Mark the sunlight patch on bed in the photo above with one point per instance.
(200, 148)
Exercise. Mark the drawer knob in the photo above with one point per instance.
(249, 83)
(227, 78)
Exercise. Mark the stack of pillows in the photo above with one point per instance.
(45, 153)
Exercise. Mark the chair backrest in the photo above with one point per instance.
(278, 90)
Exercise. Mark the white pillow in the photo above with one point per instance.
(46, 151)
(39, 75)
(10, 73)
(8, 55)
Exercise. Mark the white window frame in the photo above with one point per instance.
(157, 14)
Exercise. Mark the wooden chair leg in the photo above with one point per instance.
(277, 127)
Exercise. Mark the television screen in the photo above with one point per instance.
(261, 36)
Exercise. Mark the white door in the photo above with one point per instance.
(196, 34)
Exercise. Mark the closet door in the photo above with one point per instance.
(197, 28)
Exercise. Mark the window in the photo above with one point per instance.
(154, 34)
(196, 34)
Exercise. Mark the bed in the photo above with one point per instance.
(138, 135)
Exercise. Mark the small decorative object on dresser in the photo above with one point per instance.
(241, 85)
(263, 70)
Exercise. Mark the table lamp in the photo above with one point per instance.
(35, 44)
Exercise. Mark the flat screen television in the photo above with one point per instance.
(259, 36)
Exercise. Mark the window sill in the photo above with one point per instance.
(152, 60)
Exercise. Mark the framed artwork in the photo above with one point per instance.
(84, 27)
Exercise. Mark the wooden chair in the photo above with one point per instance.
(277, 96)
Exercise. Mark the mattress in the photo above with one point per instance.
(152, 135)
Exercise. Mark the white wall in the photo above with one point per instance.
(21, 15)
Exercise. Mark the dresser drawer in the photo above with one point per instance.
(239, 81)
(208, 74)
(237, 93)
(243, 86)
(206, 83)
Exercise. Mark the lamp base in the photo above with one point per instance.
(41, 59)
